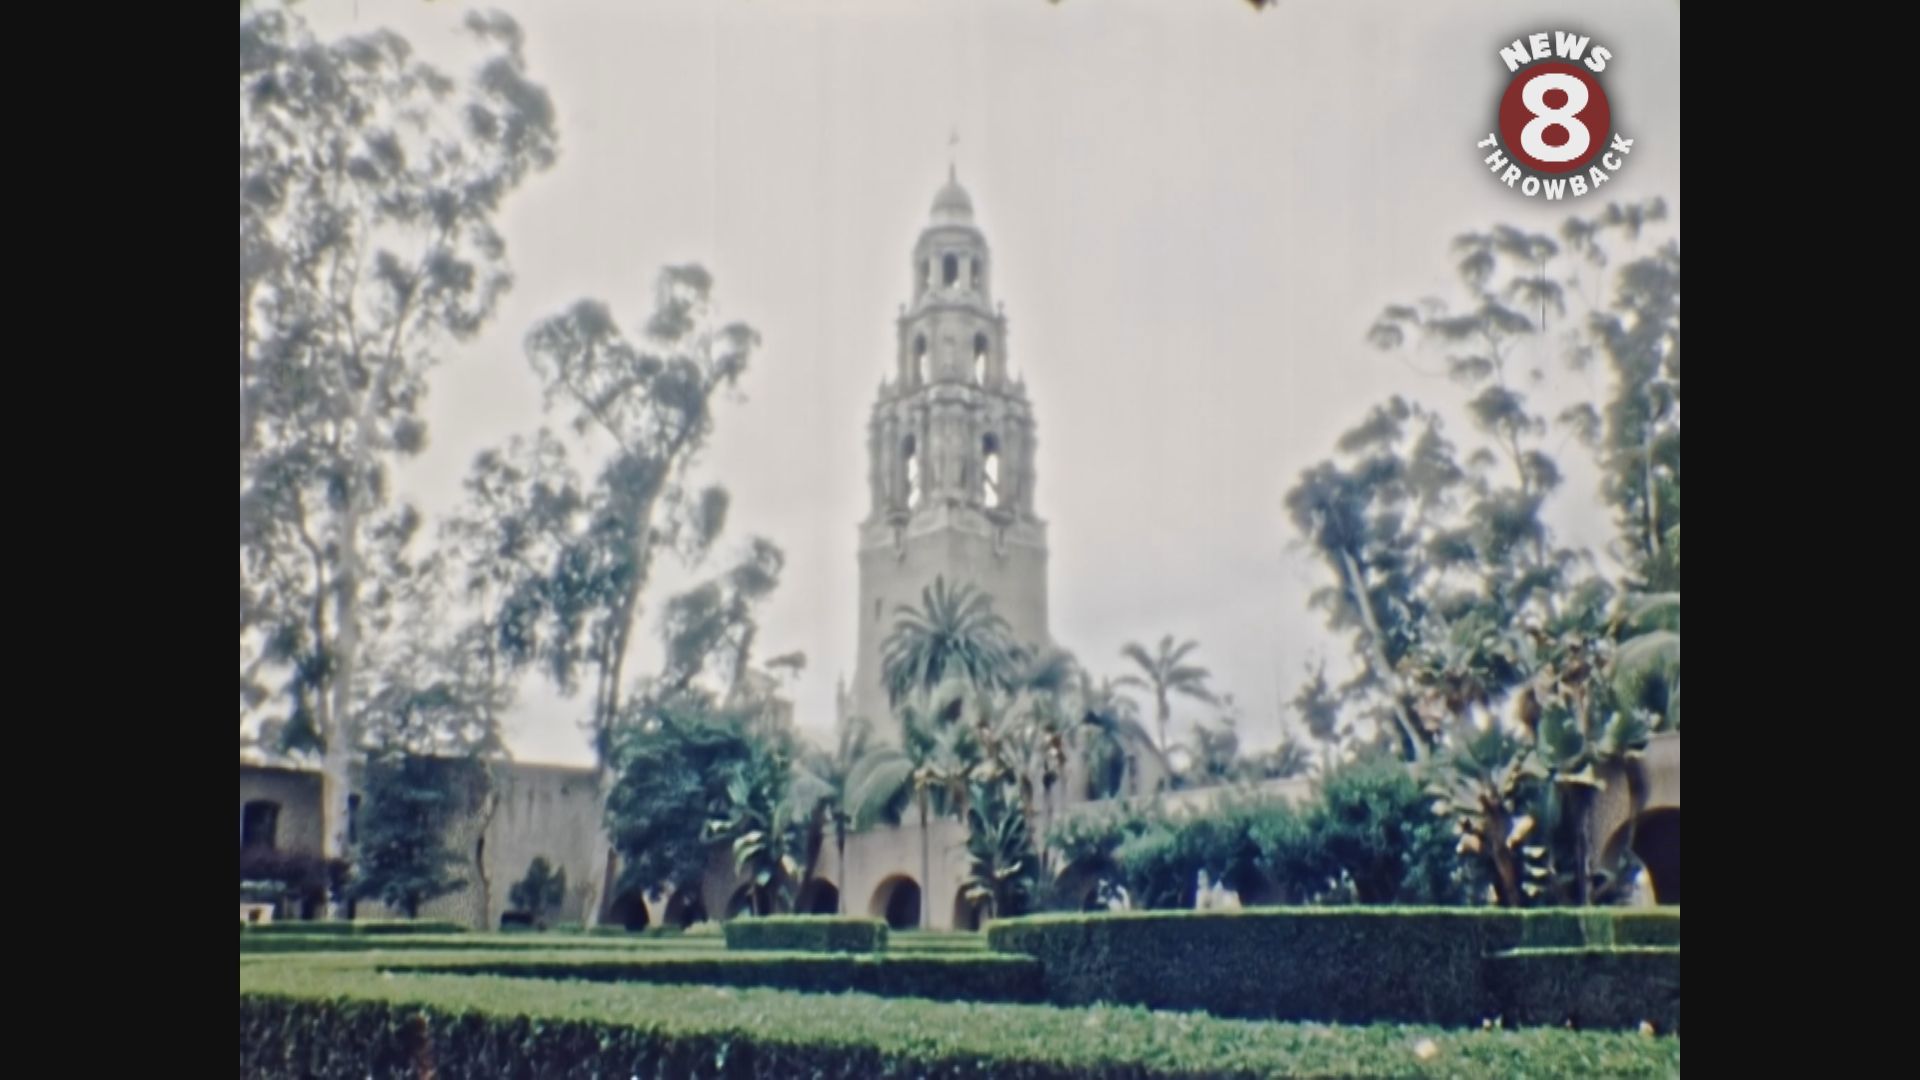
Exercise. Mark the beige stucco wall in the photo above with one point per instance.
(297, 792)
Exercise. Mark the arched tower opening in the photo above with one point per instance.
(910, 461)
(990, 471)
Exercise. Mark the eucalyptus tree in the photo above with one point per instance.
(370, 187)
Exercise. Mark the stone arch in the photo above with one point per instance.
(684, 909)
(1656, 843)
(818, 897)
(629, 909)
(898, 900)
(1082, 880)
(741, 902)
(967, 914)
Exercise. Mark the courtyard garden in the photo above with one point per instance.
(1271, 993)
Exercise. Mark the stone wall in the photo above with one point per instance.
(297, 793)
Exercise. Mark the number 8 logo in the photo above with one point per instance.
(1549, 97)
(1566, 117)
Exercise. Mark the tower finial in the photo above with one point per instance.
(953, 152)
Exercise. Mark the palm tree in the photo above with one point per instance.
(1002, 868)
(932, 767)
(1109, 726)
(954, 632)
(762, 836)
(1024, 728)
(1164, 675)
(820, 795)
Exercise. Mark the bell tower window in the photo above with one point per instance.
(950, 270)
(980, 349)
(990, 471)
(920, 358)
(912, 462)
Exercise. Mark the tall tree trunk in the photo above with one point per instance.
(336, 766)
(1410, 739)
(490, 807)
(607, 707)
(926, 867)
(840, 893)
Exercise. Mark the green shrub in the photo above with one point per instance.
(1591, 988)
(807, 933)
(985, 977)
(1642, 927)
(362, 927)
(1369, 836)
(1343, 965)
(324, 1020)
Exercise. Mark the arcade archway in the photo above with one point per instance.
(897, 900)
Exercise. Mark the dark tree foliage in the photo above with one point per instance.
(676, 763)
(405, 855)
(541, 891)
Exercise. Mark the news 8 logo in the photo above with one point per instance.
(1553, 132)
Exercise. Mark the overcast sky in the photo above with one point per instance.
(1195, 212)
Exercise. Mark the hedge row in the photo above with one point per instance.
(302, 1019)
(360, 928)
(807, 933)
(938, 978)
(1591, 988)
(506, 942)
(1341, 965)
(1644, 928)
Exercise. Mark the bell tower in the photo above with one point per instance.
(950, 449)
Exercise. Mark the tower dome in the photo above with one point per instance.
(952, 206)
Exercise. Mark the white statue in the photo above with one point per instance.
(1203, 895)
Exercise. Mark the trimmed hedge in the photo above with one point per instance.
(1647, 928)
(1590, 988)
(1341, 965)
(360, 928)
(507, 941)
(936, 978)
(806, 933)
(336, 1019)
